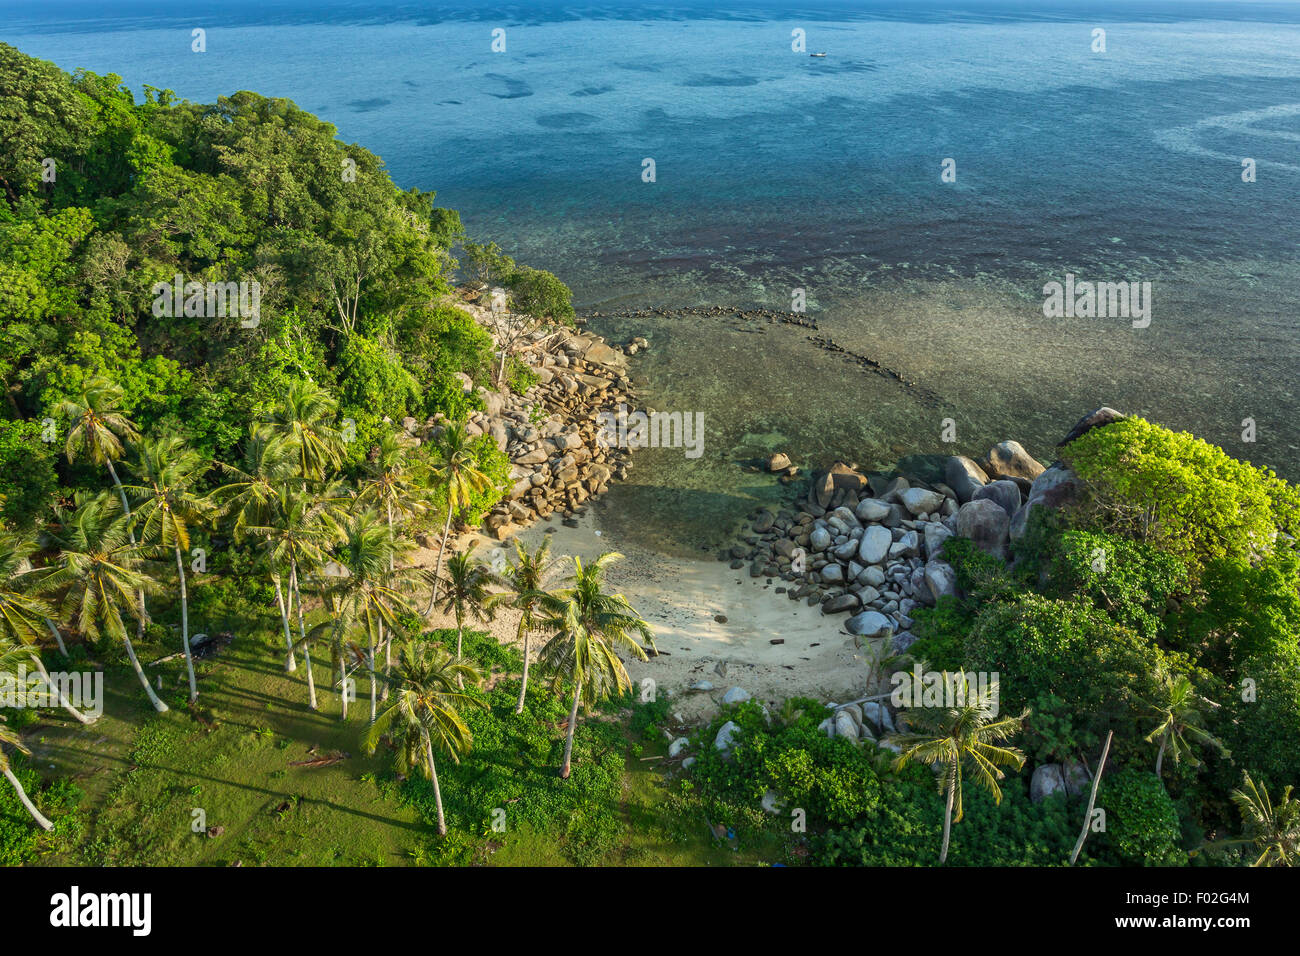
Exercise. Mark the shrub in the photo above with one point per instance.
(1142, 826)
(832, 779)
(1131, 582)
(1070, 650)
(1181, 493)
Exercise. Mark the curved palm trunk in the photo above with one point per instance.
(121, 493)
(460, 631)
(1160, 757)
(290, 664)
(437, 572)
(26, 802)
(947, 826)
(185, 626)
(568, 740)
(130, 533)
(295, 594)
(63, 700)
(525, 633)
(437, 791)
(58, 638)
(158, 705)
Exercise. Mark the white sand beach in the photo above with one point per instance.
(683, 599)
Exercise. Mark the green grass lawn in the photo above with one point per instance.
(144, 776)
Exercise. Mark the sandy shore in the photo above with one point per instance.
(684, 599)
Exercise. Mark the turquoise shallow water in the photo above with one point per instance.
(776, 171)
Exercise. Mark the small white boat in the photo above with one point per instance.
(816, 54)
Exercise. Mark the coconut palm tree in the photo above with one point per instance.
(389, 480)
(95, 574)
(523, 580)
(465, 591)
(98, 433)
(99, 428)
(1180, 722)
(954, 736)
(389, 483)
(589, 626)
(455, 472)
(297, 537)
(302, 423)
(23, 612)
(370, 597)
(424, 711)
(1274, 829)
(251, 499)
(166, 506)
(9, 737)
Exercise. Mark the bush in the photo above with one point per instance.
(1260, 731)
(1142, 826)
(831, 778)
(520, 376)
(1133, 583)
(538, 293)
(1068, 651)
(1182, 493)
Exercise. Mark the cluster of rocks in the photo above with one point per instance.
(871, 546)
(550, 432)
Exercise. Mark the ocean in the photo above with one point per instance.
(917, 188)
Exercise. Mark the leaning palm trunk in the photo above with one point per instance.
(1160, 757)
(295, 595)
(460, 631)
(63, 700)
(26, 802)
(185, 626)
(524, 632)
(437, 571)
(568, 740)
(1092, 798)
(947, 826)
(58, 638)
(437, 791)
(130, 533)
(158, 705)
(290, 664)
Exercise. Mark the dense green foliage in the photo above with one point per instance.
(352, 272)
(1175, 560)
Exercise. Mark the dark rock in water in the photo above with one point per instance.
(720, 618)
(963, 476)
(570, 522)
(763, 523)
(737, 565)
(1094, 419)
(1003, 492)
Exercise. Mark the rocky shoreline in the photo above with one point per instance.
(550, 432)
(870, 546)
